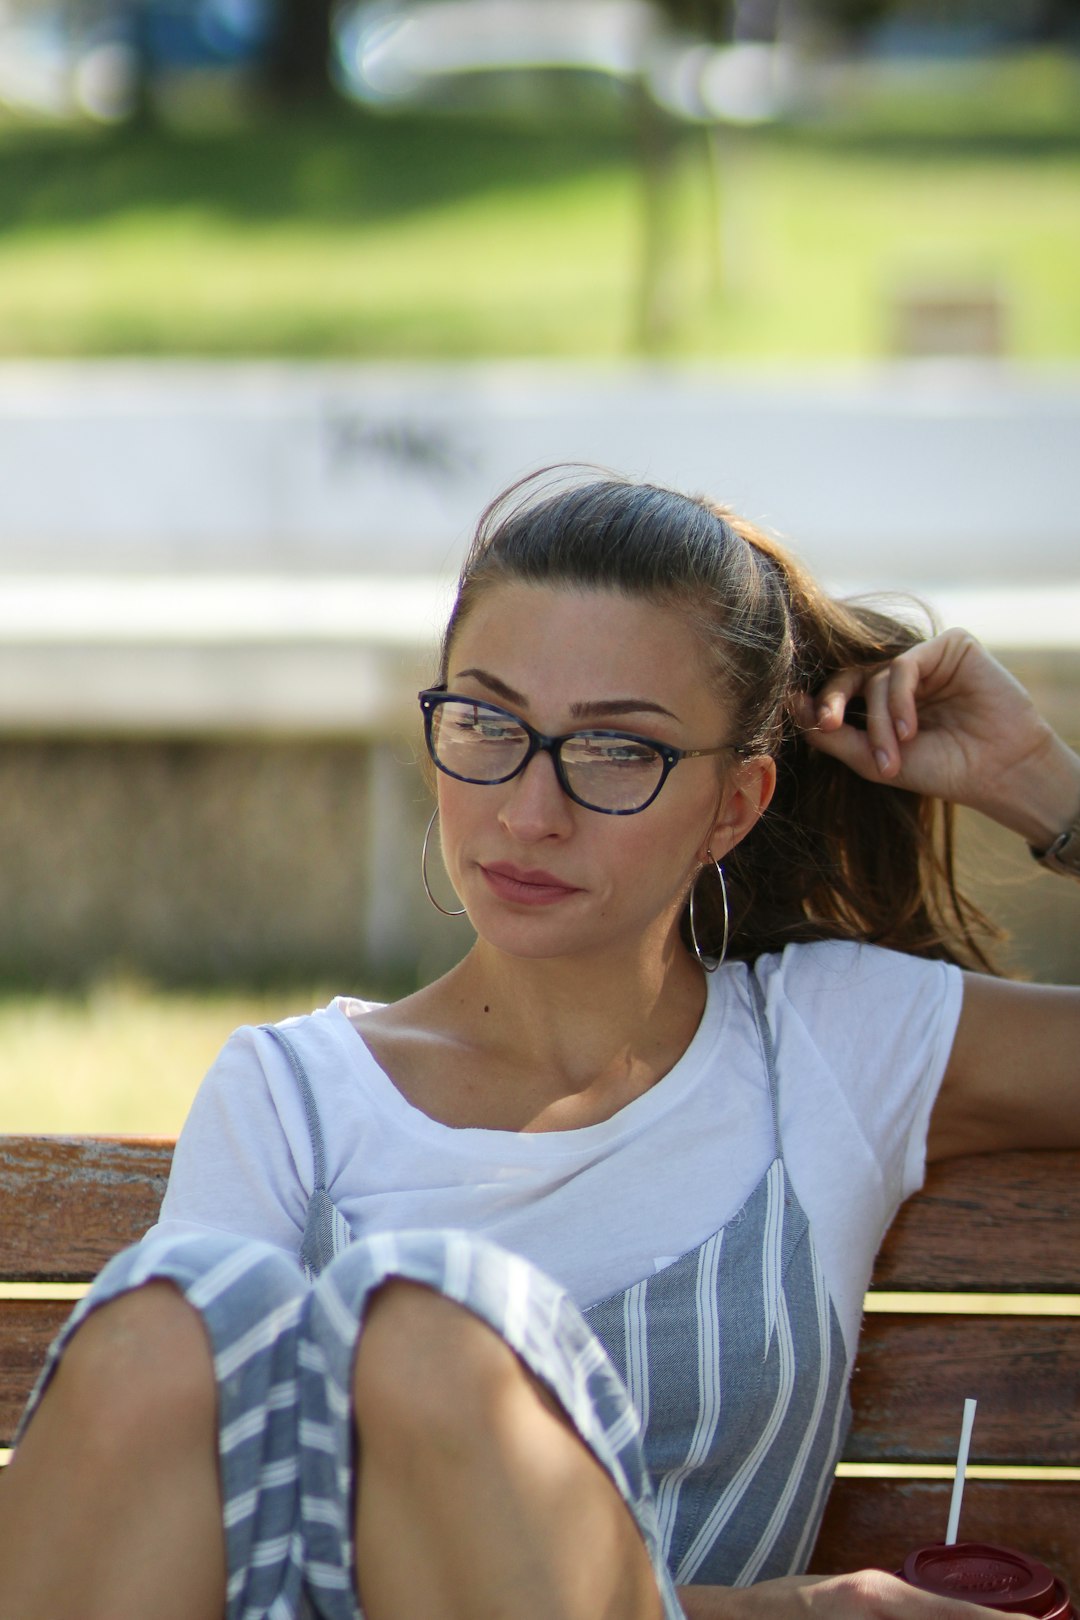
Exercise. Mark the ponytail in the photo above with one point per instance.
(837, 856)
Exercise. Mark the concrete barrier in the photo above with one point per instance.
(894, 472)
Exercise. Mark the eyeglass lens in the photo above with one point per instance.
(481, 744)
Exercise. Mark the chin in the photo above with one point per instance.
(527, 940)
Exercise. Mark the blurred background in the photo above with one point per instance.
(289, 289)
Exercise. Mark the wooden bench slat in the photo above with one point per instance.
(913, 1372)
(874, 1523)
(27, 1328)
(988, 1220)
(989, 1223)
(67, 1204)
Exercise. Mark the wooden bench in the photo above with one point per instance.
(1004, 1225)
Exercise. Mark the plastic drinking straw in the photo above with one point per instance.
(961, 1469)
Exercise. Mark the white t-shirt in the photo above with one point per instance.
(862, 1037)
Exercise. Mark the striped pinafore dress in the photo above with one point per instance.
(714, 1391)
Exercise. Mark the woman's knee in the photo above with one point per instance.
(138, 1371)
(427, 1367)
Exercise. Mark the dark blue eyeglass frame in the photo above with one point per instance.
(434, 697)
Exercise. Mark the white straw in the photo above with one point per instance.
(961, 1469)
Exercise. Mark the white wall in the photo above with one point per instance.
(921, 471)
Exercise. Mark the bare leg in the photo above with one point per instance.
(111, 1508)
(476, 1497)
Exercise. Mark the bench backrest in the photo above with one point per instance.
(1005, 1225)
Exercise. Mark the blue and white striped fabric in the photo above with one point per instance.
(734, 1359)
(283, 1354)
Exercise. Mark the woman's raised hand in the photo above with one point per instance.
(946, 719)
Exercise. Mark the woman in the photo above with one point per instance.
(604, 1198)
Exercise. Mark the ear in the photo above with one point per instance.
(748, 787)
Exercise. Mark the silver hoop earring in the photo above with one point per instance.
(710, 964)
(423, 871)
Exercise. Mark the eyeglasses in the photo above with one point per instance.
(617, 773)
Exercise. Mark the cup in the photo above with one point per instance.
(997, 1577)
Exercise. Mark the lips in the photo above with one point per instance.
(528, 887)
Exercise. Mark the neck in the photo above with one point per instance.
(583, 1023)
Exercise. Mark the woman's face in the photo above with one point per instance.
(540, 875)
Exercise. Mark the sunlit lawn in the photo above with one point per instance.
(359, 236)
(122, 1058)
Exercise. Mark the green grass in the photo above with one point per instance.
(349, 235)
(344, 236)
(123, 1058)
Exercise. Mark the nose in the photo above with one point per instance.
(535, 806)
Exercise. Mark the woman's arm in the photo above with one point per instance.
(946, 719)
(869, 1594)
(1013, 1077)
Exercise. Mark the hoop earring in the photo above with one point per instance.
(710, 964)
(423, 871)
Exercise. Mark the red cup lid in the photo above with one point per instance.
(997, 1577)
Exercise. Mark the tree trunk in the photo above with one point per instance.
(658, 149)
(143, 109)
(299, 68)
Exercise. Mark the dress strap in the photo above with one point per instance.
(320, 1240)
(768, 1051)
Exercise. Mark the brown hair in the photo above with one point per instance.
(834, 856)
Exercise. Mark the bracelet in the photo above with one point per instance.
(1063, 855)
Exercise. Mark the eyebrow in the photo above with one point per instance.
(600, 708)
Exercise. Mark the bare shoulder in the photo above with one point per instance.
(427, 1053)
(402, 1033)
(413, 1015)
